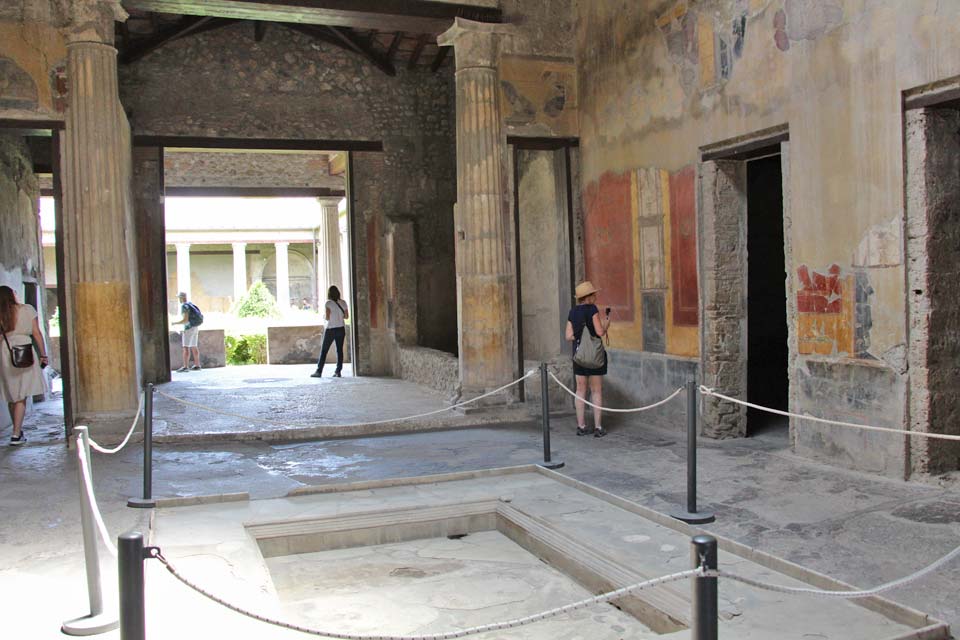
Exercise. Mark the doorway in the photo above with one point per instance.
(767, 381)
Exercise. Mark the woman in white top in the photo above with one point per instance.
(18, 323)
(335, 312)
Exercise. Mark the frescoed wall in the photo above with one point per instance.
(658, 80)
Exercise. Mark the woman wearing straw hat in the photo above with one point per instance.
(585, 315)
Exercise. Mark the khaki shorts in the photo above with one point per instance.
(190, 336)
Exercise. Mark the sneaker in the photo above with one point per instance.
(599, 432)
(195, 367)
(582, 431)
(316, 374)
(17, 440)
(182, 369)
(336, 375)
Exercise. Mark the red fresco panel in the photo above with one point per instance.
(683, 246)
(608, 243)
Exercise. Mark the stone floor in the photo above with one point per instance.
(861, 529)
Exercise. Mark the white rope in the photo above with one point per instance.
(97, 447)
(448, 635)
(352, 424)
(92, 498)
(839, 594)
(635, 410)
(923, 434)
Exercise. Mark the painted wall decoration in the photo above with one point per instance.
(683, 246)
(608, 246)
(650, 222)
(539, 96)
(654, 322)
(833, 312)
(17, 88)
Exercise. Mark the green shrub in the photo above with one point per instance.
(249, 349)
(258, 303)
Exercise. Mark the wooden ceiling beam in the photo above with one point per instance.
(338, 39)
(415, 56)
(413, 16)
(438, 60)
(186, 26)
(364, 48)
(392, 51)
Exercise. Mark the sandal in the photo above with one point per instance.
(582, 431)
(599, 432)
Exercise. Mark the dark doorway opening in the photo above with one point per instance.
(767, 379)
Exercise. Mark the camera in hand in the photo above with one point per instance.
(608, 311)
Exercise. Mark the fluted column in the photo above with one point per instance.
(283, 276)
(239, 270)
(330, 271)
(485, 276)
(98, 227)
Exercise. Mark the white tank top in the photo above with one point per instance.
(336, 313)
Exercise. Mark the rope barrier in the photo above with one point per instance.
(839, 594)
(923, 434)
(136, 418)
(448, 635)
(92, 498)
(635, 410)
(352, 424)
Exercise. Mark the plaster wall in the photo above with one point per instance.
(32, 62)
(660, 80)
(20, 251)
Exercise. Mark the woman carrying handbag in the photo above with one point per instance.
(20, 376)
(585, 329)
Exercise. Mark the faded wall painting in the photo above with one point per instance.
(833, 312)
(608, 250)
(683, 246)
(539, 96)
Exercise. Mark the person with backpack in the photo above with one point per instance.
(335, 312)
(585, 329)
(191, 319)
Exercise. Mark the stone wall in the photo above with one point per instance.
(223, 83)
(301, 345)
(233, 169)
(210, 342)
(430, 368)
(21, 259)
(658, 82)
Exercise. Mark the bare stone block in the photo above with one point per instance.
(213, 351)
(300, 345)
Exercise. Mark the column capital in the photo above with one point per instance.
(476, 44)
(183, 246)
(333, 201)
(239, 246)
(92, 20)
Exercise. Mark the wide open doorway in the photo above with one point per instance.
(744, 253)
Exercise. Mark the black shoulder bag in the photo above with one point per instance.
(21, 356)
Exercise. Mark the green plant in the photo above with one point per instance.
(257, 303)
(248, 349)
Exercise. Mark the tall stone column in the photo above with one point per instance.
(330, 272)
(183, 268)
(98, 226)
(283, 276)
(485, 276)
(239, 270)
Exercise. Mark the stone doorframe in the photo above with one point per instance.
(722, 265)
(931, 122)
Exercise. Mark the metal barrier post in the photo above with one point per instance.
(97, 621)
(691, 515)
(545, 418)
(703, 550)
(130, 559)
(147, 501)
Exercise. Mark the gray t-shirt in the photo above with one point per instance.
(336, 313)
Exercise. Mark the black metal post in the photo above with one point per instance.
(703, 550)
(130, 567)
(545, 417)
(691, 515)
(147, 501)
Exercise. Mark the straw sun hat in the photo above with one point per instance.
(584, 289)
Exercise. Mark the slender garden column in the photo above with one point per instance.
(183, 268)
(283, 275)
(239, 270)
(485, 276)
(330, 271)
(97, 216)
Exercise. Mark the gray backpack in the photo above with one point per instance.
(590, 353)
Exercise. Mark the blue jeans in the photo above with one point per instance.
(331, 335)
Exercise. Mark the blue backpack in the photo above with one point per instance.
(194, 315)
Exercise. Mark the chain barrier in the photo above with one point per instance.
(913, 577)
(353, 424)
(635, 410)
(136, 418)
(92, 499)
(448, 635)
(923, 434)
